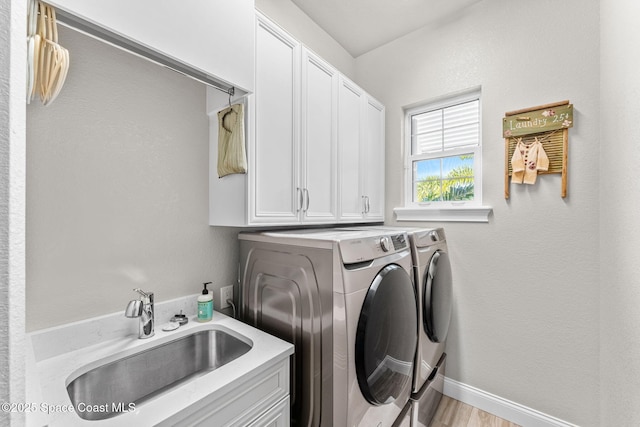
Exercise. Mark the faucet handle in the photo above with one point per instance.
(141, 292)
(146, 296)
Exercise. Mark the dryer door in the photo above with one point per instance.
(386, 336)
(437, 297)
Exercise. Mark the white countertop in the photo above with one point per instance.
(49, 370)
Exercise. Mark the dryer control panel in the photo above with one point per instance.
(426, 238)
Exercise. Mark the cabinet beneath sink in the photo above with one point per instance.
(315, 143)
(262, 400)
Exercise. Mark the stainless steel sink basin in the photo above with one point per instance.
(108, 390)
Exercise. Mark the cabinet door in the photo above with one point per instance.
(214, 36)
(318, 139)
(373, 156)
(275, 194)
(277, 416)
(349, 162)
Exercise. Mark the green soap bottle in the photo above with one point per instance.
(205, 304)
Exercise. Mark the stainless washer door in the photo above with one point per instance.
(386, 336)
(437, 297)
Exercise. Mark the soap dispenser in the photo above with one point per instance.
(205, 304)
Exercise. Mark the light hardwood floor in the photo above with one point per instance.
(453, 413)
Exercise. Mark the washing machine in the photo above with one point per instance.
(434, 293)
(346, 300)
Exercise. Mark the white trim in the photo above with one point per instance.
(445, 101)
(13, 62)
(444, 214)
(500, 407)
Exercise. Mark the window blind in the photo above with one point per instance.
(448, 128)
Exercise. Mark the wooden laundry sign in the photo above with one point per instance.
(536, 142)
(524, 122)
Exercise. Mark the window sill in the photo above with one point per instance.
(445, 214)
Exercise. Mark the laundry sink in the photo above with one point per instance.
(121, 385)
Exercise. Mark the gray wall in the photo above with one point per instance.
(620, 204)
(117, 189)
(525, 322)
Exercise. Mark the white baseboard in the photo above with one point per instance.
(498, 406)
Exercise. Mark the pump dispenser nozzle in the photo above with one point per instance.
(205, 291)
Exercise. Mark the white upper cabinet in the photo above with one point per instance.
(315, 143)
(361, 155)
(350, 124)
(214, 37)
(318, 139)
(293, 136)
(373, 157)
(275, 193)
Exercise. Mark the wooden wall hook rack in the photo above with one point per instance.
(548, 124)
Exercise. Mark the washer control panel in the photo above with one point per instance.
(372, 247)
(385, 243)
(399, 241)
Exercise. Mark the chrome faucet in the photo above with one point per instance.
(142, 308)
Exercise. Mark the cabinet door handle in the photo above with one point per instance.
(306, 205)
(300, 199)
(364, 205)
(367, 205)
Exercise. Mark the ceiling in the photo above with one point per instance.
(363, 25)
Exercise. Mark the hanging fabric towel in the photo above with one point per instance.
(231, 153)
(527, 160)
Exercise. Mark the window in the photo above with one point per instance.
(443, 156)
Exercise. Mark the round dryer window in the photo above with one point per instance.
(386, 337)
(437, 297)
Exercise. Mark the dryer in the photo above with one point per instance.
(434, 290)
(346, 300)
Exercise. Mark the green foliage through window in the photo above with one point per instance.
(456, 185)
